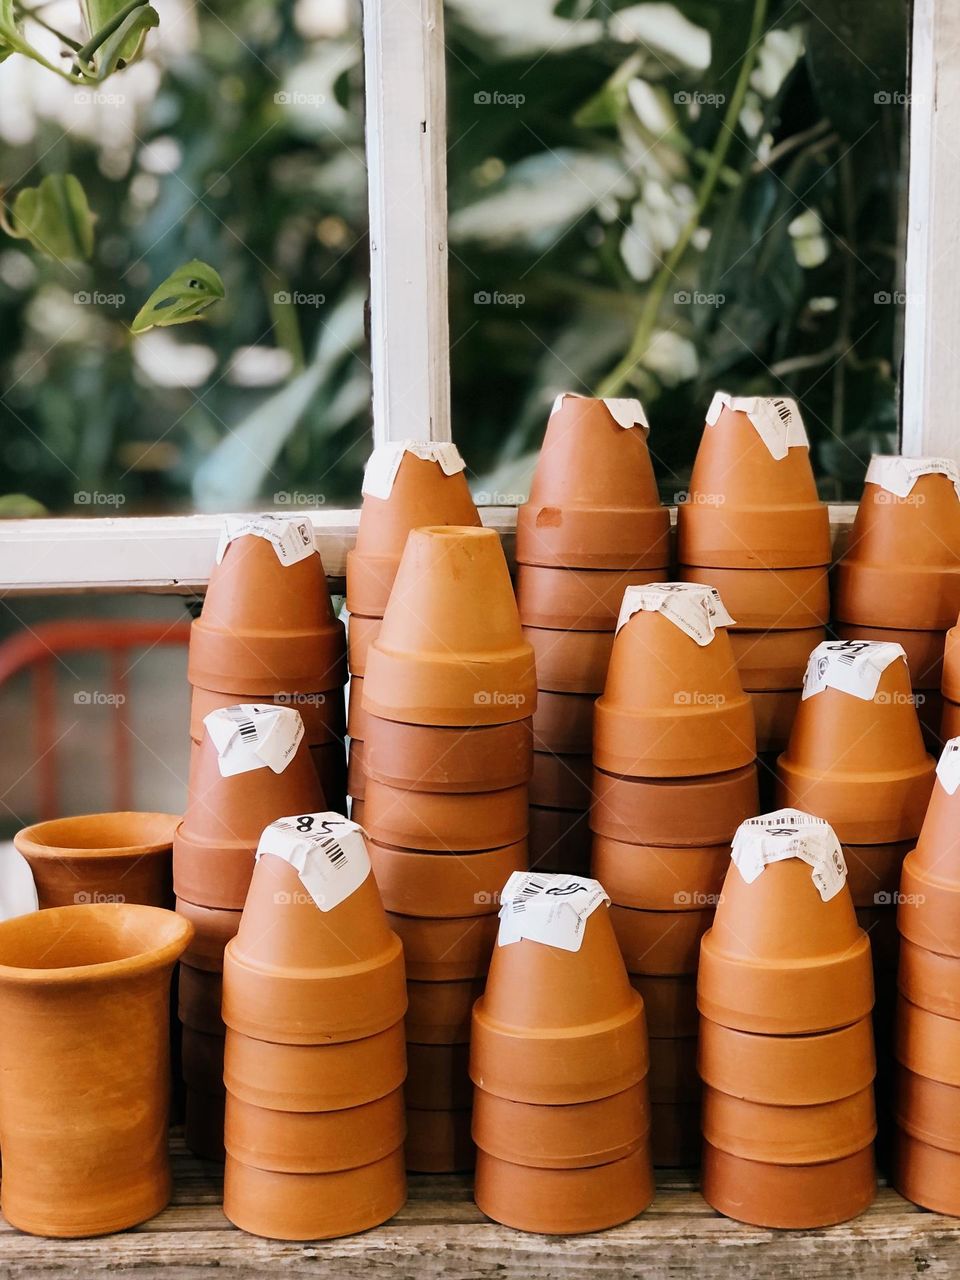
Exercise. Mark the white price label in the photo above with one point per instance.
(626, 411)
(696, 609)
(552, 909)
(776, 420)
(290, 538)
(948, 766)
(328, 852)
(852, 666)
(898, 475)
(252, 736)
(384, 463)
(790, 833)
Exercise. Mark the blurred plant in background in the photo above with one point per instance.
(651, 198)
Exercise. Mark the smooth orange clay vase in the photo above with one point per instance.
(438, 1078)
(902, 565)
(576, 599)
(267, 627)
(671, 707)
(450, 650)
(322, 712)
(928, 1110)
(773, 660)
(769, 600)
(559, 840)
(561, 782)
(570, 661)
(563, 1201)
(793, 1197)
(661, 942)
(440, 1012)
(421, 884)
(101, 857)
(442, 822)
(430, 758)
(658, 878)
(297, 975)
(859, 764)
(873, 872)
(593, 502)
(673, 811)
(924, 649)
(747, 509)
(361, 633)
(670, 1003)
(439, 1141)
(445, 950)
(85, 1066)
(313, 1206)
(212, 930)
(421, 494)
(563, 723)
(789, 1135)
(927, 1175)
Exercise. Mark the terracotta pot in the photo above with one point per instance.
(447, 949)
(675, 1139)
(295, 1077)
(928, 1110)
(789, 1135)
(200, 995)
(787, 1071)
(926, 1175)
(769, 599)
(559, 841)
(85, 1066)
(673, 811)
(673, 1070)
(873, 872)
(928, 1043)
(450, 650)
(437, 886)
(266, 628)
(322, 712)
(902, 566)
(563, 1201)
(561, 782)
(557, 1026)
(444, 823)
(860, 764)
(563, 723)
(212, 930)
(101, 857)
(570, 661)
(430, 758)
(774, 712)
(202, 1060)
(439, 1141)
(203, 1124)
(576, 599)
(356, 770)
(950, 680)
(930, 704)
(356, 812)
(747, 509)
(788, 1196)
(421, 494)
(356, 715)
(573, 1137)
(773, 660)
(670, 1003)
(438, 1077)
(661, 942)
(671, 707)
(297, 975)
(924, 649)
(313, 1206)
(950, 722)
(659, 879)
(781, 961)
(361, 633)
(439, 1012)
(928, 910)
(879, 923)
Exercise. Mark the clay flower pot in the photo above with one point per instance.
(431, 758)
(857, 759)
(442, 822)
(924, 649)
(672, 705)
(660, 879)
(769, 599)
(85, 1066)
(445, 949)
(593, 502)
(408, 485)
(753, 498)
(450, 650)
(420, 884)
(559, 841)
(774, 711)
(873, 873)
(928, 1110)
(673, 1078)
(927, 1043)
(570, 661)
(561, 782)
(200, 995)
(440, 1012)
(356, 770)
(576, 599)
(563, 723)
(201, 1060)
(812, 1134)
(212, 930)
(322, 712)
(361, 633)
(267, 627)
(439, 1141)
(662, 942)
(673, 811)
(101, 857)
(670, 1003)
(356, 715)
(926, 1175)
(788, 1196)
(902, 566)
(774, 660)
(929, 908)
(438, 1077)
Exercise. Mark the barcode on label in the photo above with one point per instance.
(784, 411)
(247, 729)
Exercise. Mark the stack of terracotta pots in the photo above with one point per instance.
(675, 776)
(593, 526)
(899, 578)
(559, 1060)
(267, 633)
(754, 528)
(448, 695)
(406, 485)
(786, 1045)
(927, 1108)
(313, 999)
(253, 765)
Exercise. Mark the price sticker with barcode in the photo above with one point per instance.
(852, 666)
(552, 909)
(626, 411)
(384, 463)
(327, 850)
(292, 539)
(948, 766)
(254, 735)
(791, 833)
(696, 609)
(898, 475)
(776, 419)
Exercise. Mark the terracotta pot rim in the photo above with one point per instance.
(30, 843)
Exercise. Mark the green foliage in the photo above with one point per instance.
(185, 295)
(55, 218)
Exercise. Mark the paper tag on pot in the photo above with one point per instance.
(948, 766)
(384, 463)
(898, 475)
(696, 609)
(626, 411)
(852, 666)
(18, 892)
(552, 909)
(327, 850)
(790, 833)
(290, 538)
(776, 418)
(254, 736)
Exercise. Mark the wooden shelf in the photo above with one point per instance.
(440, 1232)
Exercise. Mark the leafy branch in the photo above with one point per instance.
(116, 37)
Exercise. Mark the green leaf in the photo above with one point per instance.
(55, 218)
(126, 43)
(184, 296)
(20, 506)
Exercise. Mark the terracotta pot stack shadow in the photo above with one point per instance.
(593, 526)
(447, 699)
(406, 485)
(899, 577)
(785, 989)
(253, 765)
(856, 758)
(753, 527)
(559, 1059)
(926, 1166)
(675, 776)
(267, 633)
(313, 1001)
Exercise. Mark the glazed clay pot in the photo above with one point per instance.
(770, 599)
(559, 841)
(788, 1196)
(563, 1201)
(445, 950)
(561, 782)
(774, 712)
(450, 650)
(657, 878)
(322, 712)
(438, 1077)
(212, 930)
(570, 661)
(267, 627)
(439, 1141)
(927, 1175)
(576, 599)
(421, 494)
(101, 857)
(773, 660)
(426, 820)
(673, 811)
(430, 758)
(361, 633)
(924, 649)
(661, 942)
(563, 723)
(440, 1012)
(789, 1135)
(748, 509)
(671, 707)
(85, 1066)
(419, 884)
